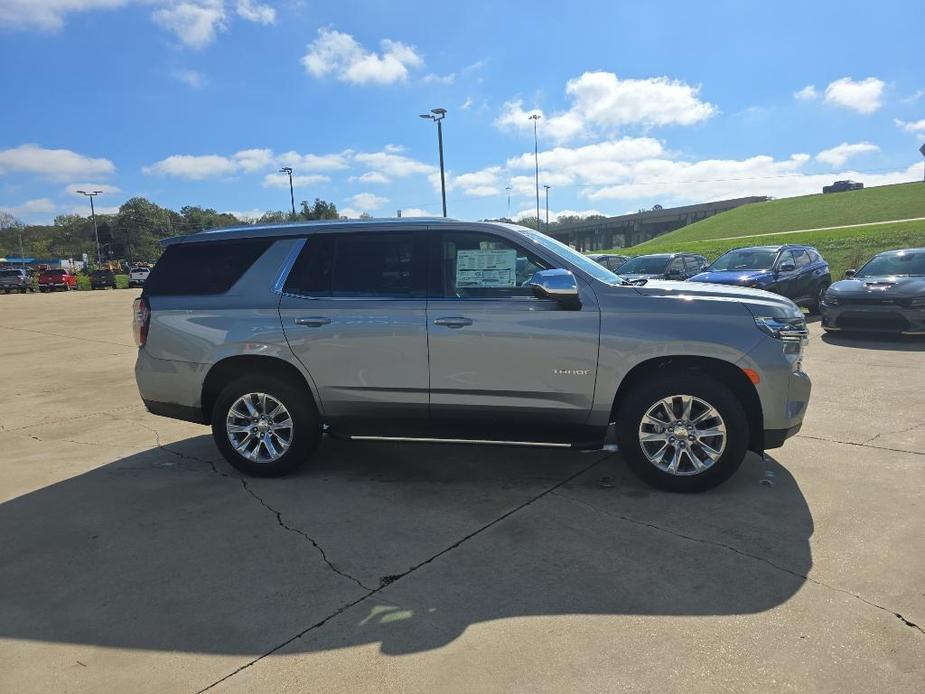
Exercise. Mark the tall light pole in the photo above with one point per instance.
(288, 170)
(547, 208)
(508, 189)
(437, 115)
(536, 160)
(96, 234)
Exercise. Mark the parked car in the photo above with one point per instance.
(100, 279)
(842, 186)
(611, 261)
(886, 295)
(421, 330)
(663, 266)
(137, 276)
(793, 270)
(50, 280)
(16, 279)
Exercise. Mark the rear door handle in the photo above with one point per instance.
(453, 322)
(313, 321)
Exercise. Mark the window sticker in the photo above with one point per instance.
(486, 268)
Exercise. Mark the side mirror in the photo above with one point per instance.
(850, 273)
(558, 284)
(787, 267)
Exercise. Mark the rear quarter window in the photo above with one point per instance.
(210, 267)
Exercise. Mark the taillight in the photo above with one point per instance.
(141, 320)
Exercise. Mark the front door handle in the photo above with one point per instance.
(453, 322)
(313, 321)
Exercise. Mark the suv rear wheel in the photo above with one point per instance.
(682, 431)
(264, 426)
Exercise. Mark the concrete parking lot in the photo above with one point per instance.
(132, 558)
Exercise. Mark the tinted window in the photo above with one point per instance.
(693, 264)
(898, 263)
(203, 268)
(744, 259)
(10, 273)
(802, 258)
(645, 265)
(677, 266)
(481, 265)
(786, 257)
(360, 265)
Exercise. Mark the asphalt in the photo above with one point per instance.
(132, 558)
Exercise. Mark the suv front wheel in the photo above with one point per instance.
(682, 431)
(264, 426)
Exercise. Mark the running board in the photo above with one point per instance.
(475, 442)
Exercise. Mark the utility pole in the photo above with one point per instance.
(96, 233)
(508, 189)
(547, 208)
(288, 170)
(437, 115)
(536, 160)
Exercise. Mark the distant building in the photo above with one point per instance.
(51, 263)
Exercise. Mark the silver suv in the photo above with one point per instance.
(438, 330)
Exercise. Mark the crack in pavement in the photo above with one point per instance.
(859, 445)
(67, 337)
(889, 433)
(736, 550)
(397, 577)
(63, 420)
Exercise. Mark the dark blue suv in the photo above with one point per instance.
(792, 270)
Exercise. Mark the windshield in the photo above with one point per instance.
(10, 273)
(901, 263)
(645, 265)
(55, 272)
(744, 259)
(580, 260)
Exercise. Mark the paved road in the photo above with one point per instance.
(133, 559)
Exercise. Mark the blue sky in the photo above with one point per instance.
(201, 101)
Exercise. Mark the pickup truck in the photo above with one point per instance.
(16, 280)
(50, 280)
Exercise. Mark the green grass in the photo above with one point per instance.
(883, 203)
(842, 248)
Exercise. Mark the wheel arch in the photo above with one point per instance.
(725, 372)
(226, 370)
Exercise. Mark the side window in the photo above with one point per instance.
(477, 265)
(802, 258)
(197, 268)
(786, 257)
(677, 266)
(692, 264)
(360, 265)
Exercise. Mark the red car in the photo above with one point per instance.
(50, 280)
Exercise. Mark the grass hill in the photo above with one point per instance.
(763, 223)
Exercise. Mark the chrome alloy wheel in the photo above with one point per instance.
(682, 435)
(259, 427)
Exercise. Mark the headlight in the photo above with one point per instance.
(783, 329)
(918, 303)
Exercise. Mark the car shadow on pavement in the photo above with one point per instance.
(405, 546)
(891, 343)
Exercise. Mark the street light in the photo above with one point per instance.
(288, 170)
(96, 234)
(536, 160)
(547, 208)
(508, 189)
(437, 115)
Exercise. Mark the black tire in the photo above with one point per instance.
(646, 394)
(816, 306)
(306, 429)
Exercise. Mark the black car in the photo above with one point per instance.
(611, 261)
(662, 266)
(100, 279)
(886, 295)
(796, 271)
(842, 186)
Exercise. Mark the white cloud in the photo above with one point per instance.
(195, 23)
(554, 216)
(191, 78)
(339, 55)
(391, 164)
(444, 80)
(349, 212)
(915, 96)
(55, 164)
(602, 102)
(482, 183)
(863, 96)
(316, 162)
(254, 159)
(467, 103)
(38, 206)
(247, 215)
(416, 212)
(195, 167)
(838, 155)
(47, 15)
(368, 201)
(256, 12)
(807, 93)
(915, 127)
(371, 177)
(281, 180)
(104, 188)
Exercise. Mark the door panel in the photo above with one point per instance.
(496, 351)
(353, 311)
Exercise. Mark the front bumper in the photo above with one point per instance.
(892, 319)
